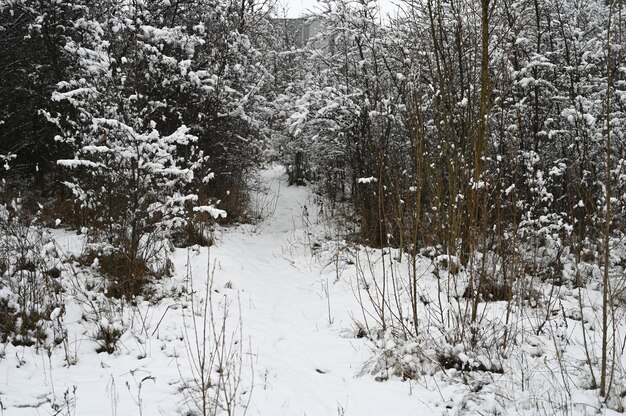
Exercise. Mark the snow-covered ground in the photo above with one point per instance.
(301, 364)
(300, 351)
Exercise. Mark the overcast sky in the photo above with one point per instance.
(295, 8)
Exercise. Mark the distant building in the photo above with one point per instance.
(295, 36)
(297, 31)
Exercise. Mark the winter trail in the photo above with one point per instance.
(306, 361)
(303, 364)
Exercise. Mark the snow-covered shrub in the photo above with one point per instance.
(130, 185)
(543, 234)
(134, 158)
(416, 357)
(31, 301)
(105, 260)
(396, 356)
(108, 334)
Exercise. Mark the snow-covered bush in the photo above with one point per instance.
(109, 327)
(134, 159)
(31, 300)
(131, 186)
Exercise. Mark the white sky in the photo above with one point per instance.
(295, 8)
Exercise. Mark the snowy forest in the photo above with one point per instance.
(209, 208)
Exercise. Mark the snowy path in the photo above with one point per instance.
(306, 360)
(304, 366)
